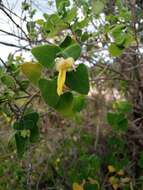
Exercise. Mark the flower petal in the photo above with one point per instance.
(61, 81)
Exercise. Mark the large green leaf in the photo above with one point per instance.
(32, 71)
(78, 103)
(34, 116)
(65, 104)
(67, 42)
(48, 90)
(78, 80)
(46, 54)
(23, 124)
(73, 51)
(34, 134)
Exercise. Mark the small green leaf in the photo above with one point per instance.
(21, 144)
(123, 106)
(48, 90)
(25, 6)
(117, 121)
(8, 81)
(61, 4)
(85, 36)
(32, 71)
(78, 80)
(71, 14)
(115, 50)
(40, 22)
(46, 54)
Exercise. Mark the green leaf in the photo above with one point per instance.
(123, 106)
(24, 84)
(40, 22)
(119, 34)
(30, 26)
(53, 25)
(34, 134)
(67, 42)
(28, 121)
(125, 14)
(48, 90)
(65, 104)
(117, 30)
(116, 144)
(129, 39)
(46, 54)
(21, 144)
(8, 81)
(71, 14)
(115, 50)
(25, 6)
(78, 103)
(78, 80)
(73, 51)
(23, 124)
(32, 71)
(34, 116)
(123, 37)
(117, 121)
(81, 24)
(97, 6)
(28, 131)
(85, 36)
(61, 4)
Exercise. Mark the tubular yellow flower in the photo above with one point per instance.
(62, 66)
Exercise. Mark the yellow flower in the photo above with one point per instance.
(62, 66)
(76, 186)
(111, 169)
